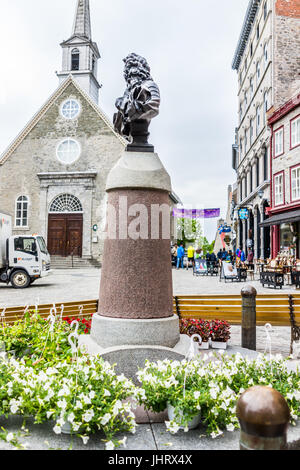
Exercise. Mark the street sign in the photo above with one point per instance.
(244, 214)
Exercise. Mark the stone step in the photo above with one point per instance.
(58, 262)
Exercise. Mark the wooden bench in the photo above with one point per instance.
(277, 309)
(75, 310)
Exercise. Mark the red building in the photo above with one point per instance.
(284, 213)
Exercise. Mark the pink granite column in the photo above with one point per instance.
(136, 279)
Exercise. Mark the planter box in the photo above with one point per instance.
(218, 345)
(204, 346)
(191, 425)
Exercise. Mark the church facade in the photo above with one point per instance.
(53, 175)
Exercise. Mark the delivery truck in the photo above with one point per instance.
(23, 258)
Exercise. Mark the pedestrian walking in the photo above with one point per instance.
(180, 256)
(191, 253)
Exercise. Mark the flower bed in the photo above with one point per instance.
(213, 388)
(217, 330)
(50, 383)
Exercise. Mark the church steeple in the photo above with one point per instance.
(82, 22)
(80, 53)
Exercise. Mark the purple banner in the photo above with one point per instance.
(196, 213)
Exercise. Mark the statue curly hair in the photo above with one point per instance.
(138, 65)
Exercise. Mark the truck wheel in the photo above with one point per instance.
(20, 280)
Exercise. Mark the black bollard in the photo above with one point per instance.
(248, 294)
(264, 417)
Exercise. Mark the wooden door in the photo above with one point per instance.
(74, 235)
(65, 234)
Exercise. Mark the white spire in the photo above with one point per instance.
(82, 22)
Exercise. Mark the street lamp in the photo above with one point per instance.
(260, 193)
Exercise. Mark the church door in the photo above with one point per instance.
(65, 234)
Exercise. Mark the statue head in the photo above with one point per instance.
(136, 70)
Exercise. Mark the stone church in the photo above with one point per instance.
(54, 173)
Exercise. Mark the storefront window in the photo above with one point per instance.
(287, 239)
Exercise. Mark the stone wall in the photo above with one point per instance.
(100, 150)
(286, 54)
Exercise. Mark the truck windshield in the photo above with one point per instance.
(26, 245)
(42, 245)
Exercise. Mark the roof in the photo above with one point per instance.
(284, 217)
(42, 111)
(245, 33)
(285, 109)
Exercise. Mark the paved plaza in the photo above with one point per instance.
(75, 285)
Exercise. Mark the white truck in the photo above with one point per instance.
(23, 258)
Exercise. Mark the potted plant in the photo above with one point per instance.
(197, 327)
(220, 334)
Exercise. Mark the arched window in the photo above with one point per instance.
(75, 59)
(66, 203)
(21, 219)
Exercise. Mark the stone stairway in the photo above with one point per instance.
(58, 262)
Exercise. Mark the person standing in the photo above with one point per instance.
(180, 256)
(191, 253)
(174, 255)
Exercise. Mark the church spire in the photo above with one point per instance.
(80, 53)
(82, 22)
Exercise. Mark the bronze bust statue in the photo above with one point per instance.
(138, 106)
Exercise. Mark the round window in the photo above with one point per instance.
(68, 151)
(70, 109)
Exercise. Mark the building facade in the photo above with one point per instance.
(284, 214)
(267, 63)
(53, 175)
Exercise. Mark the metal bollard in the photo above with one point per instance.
(248, 294)
(264, 417)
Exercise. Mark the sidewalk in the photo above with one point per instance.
(150, 436)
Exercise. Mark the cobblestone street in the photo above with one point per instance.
(74, 285)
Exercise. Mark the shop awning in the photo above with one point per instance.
(284, 218)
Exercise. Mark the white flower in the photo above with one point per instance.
(75, 426)
(78, 405)
(172, 427)
(62, 404)
(123, 442)
(64, 391)
(110, 445)
(197, 395)
(14, 409)
(106, 393)
(9, 437)
(117, 407)
(92, 394)
(105, 419)
(49, 414)
(71, 417)
(85, 439)
(88, 416)
(214, 435)
(57, 429)
(230, 427)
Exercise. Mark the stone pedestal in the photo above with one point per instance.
(135, 320)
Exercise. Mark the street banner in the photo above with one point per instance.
(196, 213)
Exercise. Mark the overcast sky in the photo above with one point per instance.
(189, 45)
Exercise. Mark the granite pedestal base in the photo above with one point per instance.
(110, 332)
(129, 359)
